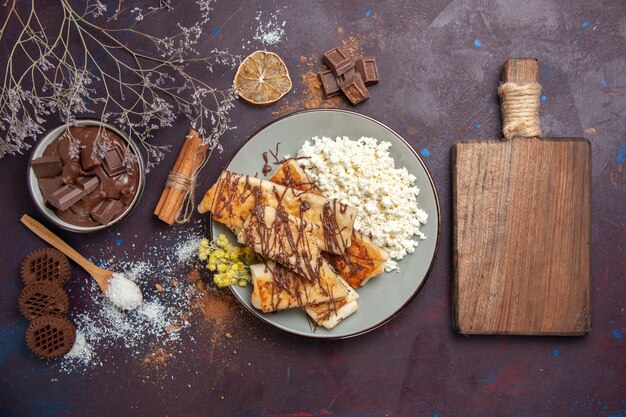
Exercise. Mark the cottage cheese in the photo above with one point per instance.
(361, 173)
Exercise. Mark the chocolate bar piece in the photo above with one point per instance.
(87, 184)
(329, 83)
(70, 194)
(355, 89)
(338, 61)
(346, 75)
(113, 162)
(47, 166)
(106, 211)
(368, 69)
(87, 158)
(65, 197)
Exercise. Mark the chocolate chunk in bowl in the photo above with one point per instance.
(47, 166)
(106, 211)
(113, 162)
(68, 195)
(99, 165)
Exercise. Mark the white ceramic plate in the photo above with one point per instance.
(385, 295)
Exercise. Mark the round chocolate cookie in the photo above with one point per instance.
(45, 265)
(50, 337)
(43, 299)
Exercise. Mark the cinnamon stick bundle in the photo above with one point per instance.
(181, 179)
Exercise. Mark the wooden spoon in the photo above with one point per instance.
(102, 276)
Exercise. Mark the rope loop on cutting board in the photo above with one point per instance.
(520, 109)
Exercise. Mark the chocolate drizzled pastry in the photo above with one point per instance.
(289, 228)
(45, 265)
(292, 242)
(97, 166)
(288, 240)
(362, 260)
(277, 288)
(232, 198)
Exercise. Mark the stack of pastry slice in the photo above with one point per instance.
(362, 259)
(312, 256)
(232, 199)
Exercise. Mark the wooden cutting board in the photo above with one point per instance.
(522, 230)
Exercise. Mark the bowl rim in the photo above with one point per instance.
(33, 184)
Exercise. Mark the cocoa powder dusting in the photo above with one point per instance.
(212, 313)
(157, 357)
(214, 309)
(353, 44)
(311, 97)
(213, 304)
(193, 276)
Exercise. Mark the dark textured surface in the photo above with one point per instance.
(439, 66)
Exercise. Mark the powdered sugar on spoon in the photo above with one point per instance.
(123, 292)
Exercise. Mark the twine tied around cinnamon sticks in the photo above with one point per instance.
(520, 109)
(177, 201)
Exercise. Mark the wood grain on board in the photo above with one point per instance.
(521, 233)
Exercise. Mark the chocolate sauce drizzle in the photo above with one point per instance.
(278, 235)
(267, 168)
(333, 238)
(234, 199)
(286, 239)
(283, 238)
(285, 281)
(356, 260)
(289, 180)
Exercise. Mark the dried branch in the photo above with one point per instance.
(84, 68)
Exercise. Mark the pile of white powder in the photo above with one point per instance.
(362, 174)
(158, 321)
(123, 292)
(269, 31)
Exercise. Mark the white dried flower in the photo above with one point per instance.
(140, 96)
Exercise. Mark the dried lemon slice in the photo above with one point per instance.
(262, 78)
